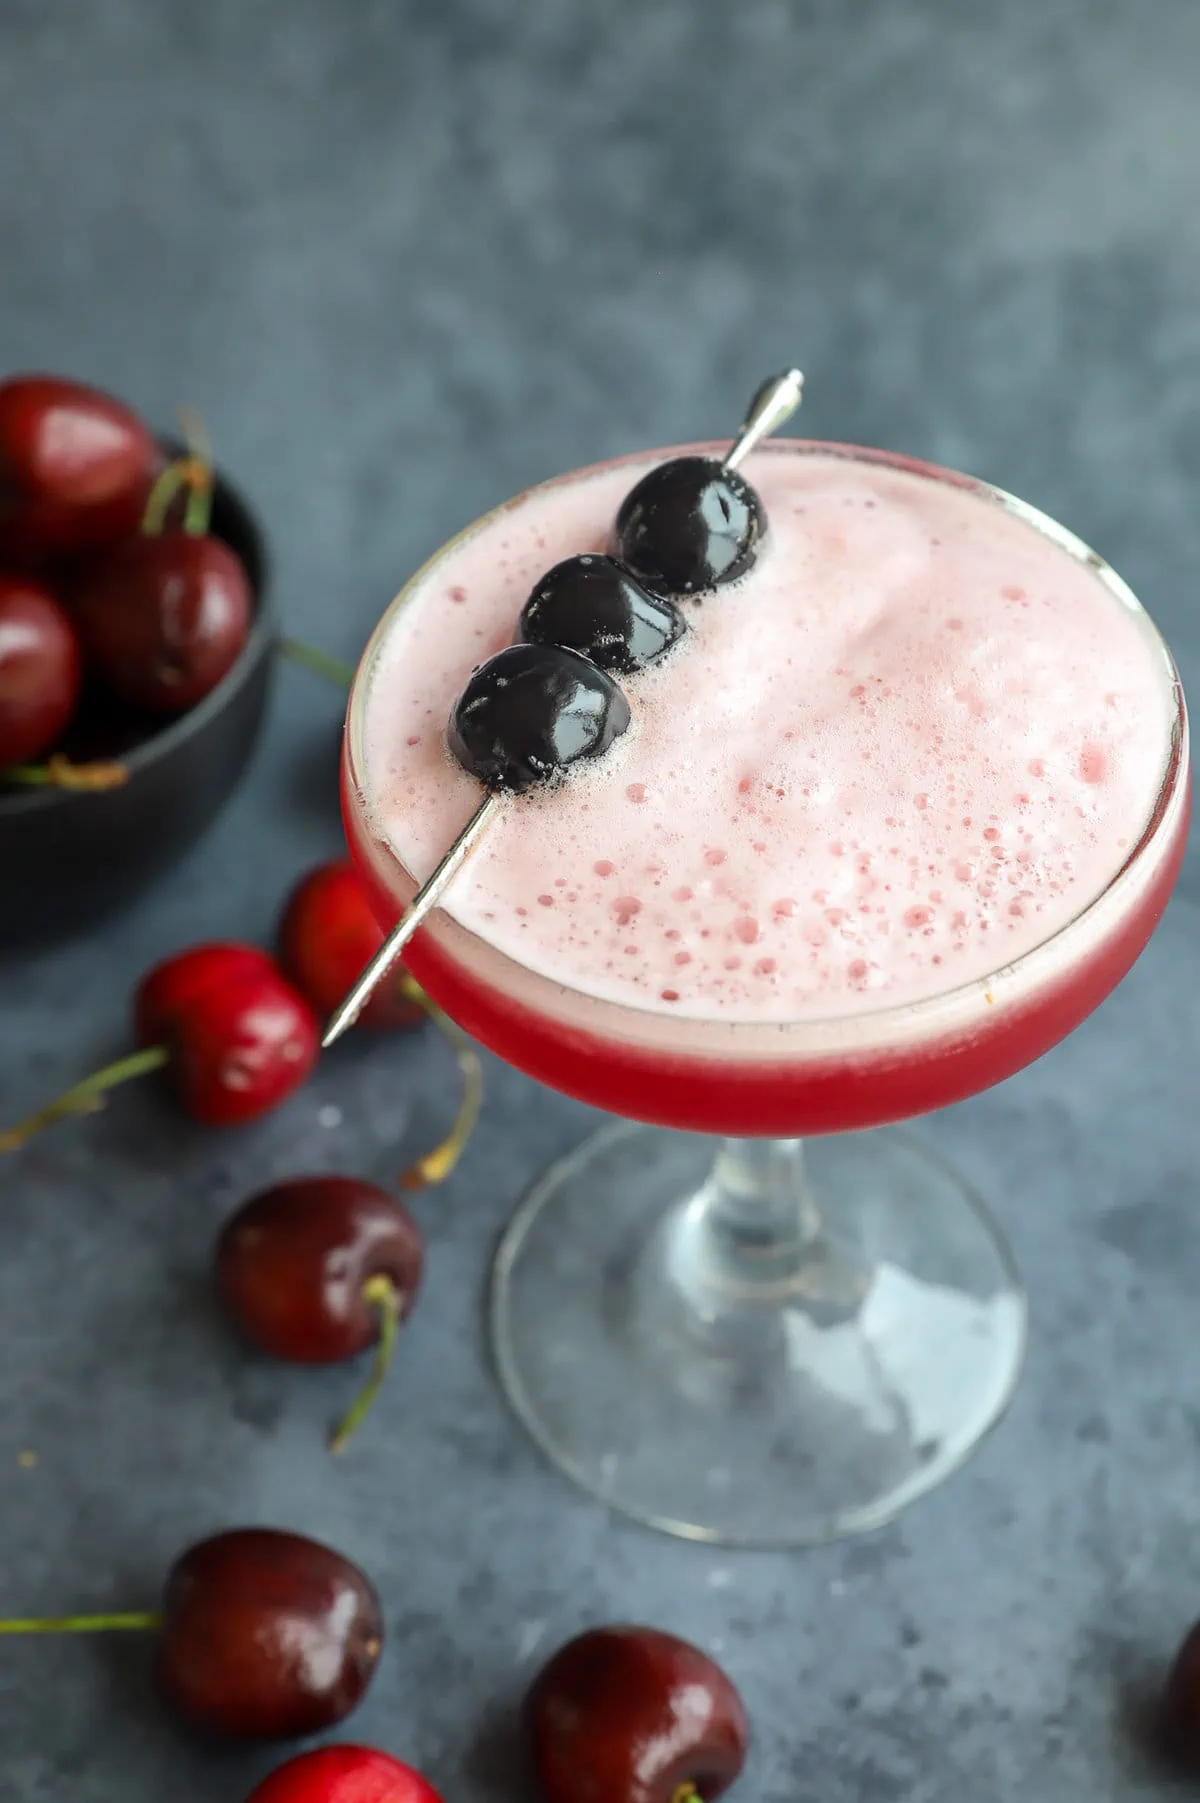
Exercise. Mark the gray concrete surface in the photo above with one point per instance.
(406, 258)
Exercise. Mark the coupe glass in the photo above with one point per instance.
(753, 1310)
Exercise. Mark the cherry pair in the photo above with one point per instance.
(619, 1715)
(237, 1031)
(97, 579)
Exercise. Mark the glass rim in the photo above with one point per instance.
(908, 1014)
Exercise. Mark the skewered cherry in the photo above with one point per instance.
(529, 712)
(594, 606)
(689, 525)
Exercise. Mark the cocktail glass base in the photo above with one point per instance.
(756, 1342)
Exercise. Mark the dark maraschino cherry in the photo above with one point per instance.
(318, 1269)
(231, 1032)
(593, 605)
(529, 712)
(39, 670)
(263, 1635)
(76, 467)
(344, 1774)
(536, 708)
(689, 525)
(633, 1715)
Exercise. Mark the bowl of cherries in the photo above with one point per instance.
(135, 652)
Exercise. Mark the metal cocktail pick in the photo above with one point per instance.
(773, 403)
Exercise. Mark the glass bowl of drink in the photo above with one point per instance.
(900, 811)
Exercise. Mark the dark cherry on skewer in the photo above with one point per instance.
(539, 706)
(232, 1033)
(318, 1269)
(76, 467)
(529, 712)
(593, 605)
(689, 525)
(632, 1715)
(327, 935)
(525, 716)
(39, 670)
(344, 1774)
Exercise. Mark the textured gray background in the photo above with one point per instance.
(408, 258)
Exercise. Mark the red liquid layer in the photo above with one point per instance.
(814, 1089)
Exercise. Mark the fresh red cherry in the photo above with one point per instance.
(237, 1038)
(39, 670)
(163, 618)
(234, 1036)
(76, 466)
(344, 1774)
(263, 1635)
(266, 1635)
(632, 1715)
(329, 934)
(318, 1269)
(167, 993)
(242, 1048)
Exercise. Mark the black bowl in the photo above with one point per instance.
(67, 859)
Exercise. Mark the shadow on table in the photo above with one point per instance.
(313, 778)
(496, 1760)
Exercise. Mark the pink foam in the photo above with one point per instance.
(913, 743)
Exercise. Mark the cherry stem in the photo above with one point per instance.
(86, 1097)
(685, 1793)
(384, 1298)
(192, 473)
(197, 515)
(81, 1624)
(59, 772)
(436, 1166)
(320, 663)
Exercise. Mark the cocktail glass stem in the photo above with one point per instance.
(751, 1231)
(755, 1341)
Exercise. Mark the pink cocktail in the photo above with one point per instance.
(897, 815)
